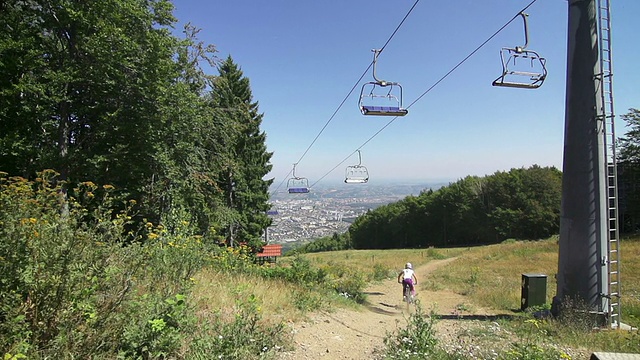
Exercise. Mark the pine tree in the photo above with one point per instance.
(243, 172)
(629, 172)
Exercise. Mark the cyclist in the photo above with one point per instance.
(407, 277)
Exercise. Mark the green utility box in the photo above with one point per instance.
(534, 290)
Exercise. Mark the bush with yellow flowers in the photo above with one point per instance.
(70, 286)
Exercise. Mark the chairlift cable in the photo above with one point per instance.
(399, 25)
(432, 86)
(471, 54)
(284, 179)
(335, 113)
(358, 82)
(366, 71)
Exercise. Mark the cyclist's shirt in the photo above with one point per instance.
(407, 278)
(407, 274)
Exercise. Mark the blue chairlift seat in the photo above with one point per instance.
(372, 102)
(298, 185)
(298, 190)
(383, 110)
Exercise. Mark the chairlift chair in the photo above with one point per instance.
(380, 104)
(301, 187)
(531, 75)
(296, 184)
(356, 174)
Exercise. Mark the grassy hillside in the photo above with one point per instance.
(480, 272)
(490, 276)
(392, 260)
(70, 289)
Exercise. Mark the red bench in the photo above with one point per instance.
(269, 253)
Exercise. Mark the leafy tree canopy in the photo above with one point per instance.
(520, 204)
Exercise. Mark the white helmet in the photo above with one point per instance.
(408, 266)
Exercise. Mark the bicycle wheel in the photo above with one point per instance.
(407, 295)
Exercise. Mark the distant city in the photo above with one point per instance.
(329, 209)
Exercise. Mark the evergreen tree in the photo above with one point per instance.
(247, 161)
(629, 145)
(629, 172)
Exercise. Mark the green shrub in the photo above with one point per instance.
(380, 272)
(77, 281)
(351, 285)
(416, 341)
(299, 272)
(157, 329)
(305, 300)
(242, 337)
(64, 268)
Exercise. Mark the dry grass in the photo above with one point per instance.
(630, 279)
(218, 294)
(393, 260)
(489, 275)
(492, 275)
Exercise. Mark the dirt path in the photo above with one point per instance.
(356, 334)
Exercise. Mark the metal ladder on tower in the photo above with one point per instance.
(606, 114)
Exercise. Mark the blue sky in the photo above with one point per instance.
(303, 57)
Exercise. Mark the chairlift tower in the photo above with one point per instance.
(588, 259)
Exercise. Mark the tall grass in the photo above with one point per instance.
(630, 280)
(71, 289)
(280, 300)
(501, 267)
(78, 281)
(381, 261)
(491, 277)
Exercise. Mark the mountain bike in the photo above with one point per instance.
(407, 297)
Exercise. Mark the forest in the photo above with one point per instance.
(102, 91)
(125, 170)
(518, 204)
